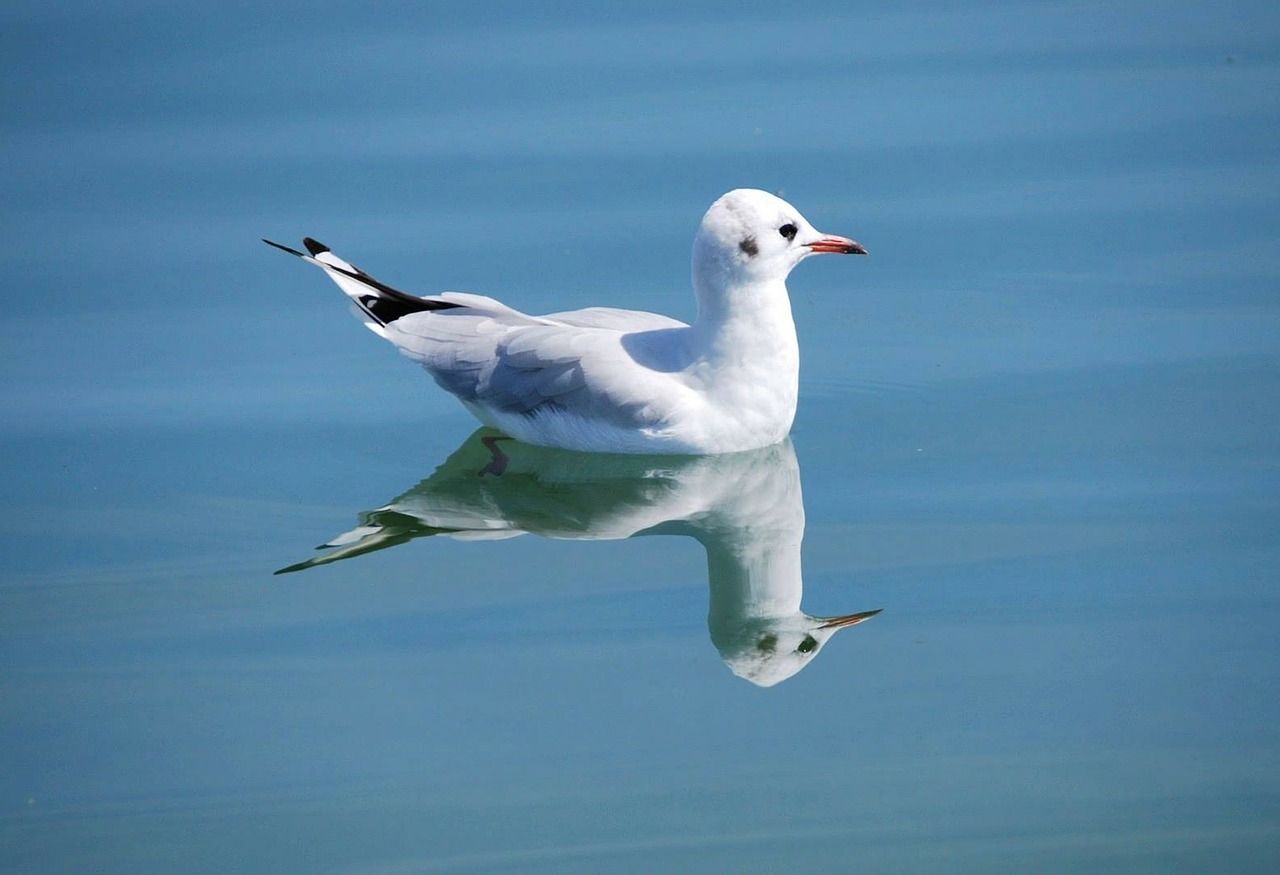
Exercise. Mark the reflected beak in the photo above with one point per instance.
(848, 619)
(841, 245)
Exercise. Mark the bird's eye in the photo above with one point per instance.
(788, 230)
(808, 645)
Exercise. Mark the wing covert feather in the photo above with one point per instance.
(501, 359)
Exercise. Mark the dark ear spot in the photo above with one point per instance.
(748, 245)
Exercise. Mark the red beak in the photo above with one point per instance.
(842, 245)
(849, 619)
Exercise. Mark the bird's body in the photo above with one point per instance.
(623, 381)
(745, 509)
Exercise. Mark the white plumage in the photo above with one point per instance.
(745, 509)
(623, 381)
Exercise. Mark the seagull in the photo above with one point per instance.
(608, 380)
(745, 509)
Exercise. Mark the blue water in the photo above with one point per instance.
(1038, 428)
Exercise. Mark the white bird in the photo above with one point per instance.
(745, 509)
(623, 381)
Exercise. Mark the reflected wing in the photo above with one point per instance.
(388, 527)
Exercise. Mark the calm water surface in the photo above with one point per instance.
(1038, 431)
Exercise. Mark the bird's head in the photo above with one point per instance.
(752, 236)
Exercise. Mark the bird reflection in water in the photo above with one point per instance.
(744, 508)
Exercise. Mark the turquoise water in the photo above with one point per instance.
(1037, 430)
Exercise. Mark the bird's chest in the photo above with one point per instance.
(752, 394)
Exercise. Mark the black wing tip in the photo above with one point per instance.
(388, 305)
(385, 309)
(314, 246)
(281, 246)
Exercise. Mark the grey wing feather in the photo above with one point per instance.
(498, 358)
(513, 365)
(615, 318)
(489, 354)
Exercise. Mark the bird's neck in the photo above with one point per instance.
(736, 317)
(745, 335)
(753, 578)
